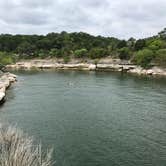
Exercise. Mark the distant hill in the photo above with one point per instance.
(65, 45)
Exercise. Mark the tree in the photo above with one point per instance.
(26, 48)
(162, 34)
(144, 57)
(140, 44)
(6, 58)
(97, 53)
(80, 53)
(44, 44)
(78, 45)
(122, 44)
(160, 58)
(54, 52)
(131, 43)
(156, 44)
(66, 59)
(124, 53)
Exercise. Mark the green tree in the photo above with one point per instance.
(42, 53)
(66, 59)
(6, 58)
(122, 44)
(162, 34)
(44, 44)
(97, 53)
(160, 57)
(124, 53)
(54, 52)
(81, 53)
(131, 43)
(26, 48)
(140, 44)
(156, 44)
(144, 57)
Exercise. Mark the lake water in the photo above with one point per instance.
(92, 118)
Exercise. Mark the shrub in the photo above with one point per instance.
(6, 58)
(42, 54)
(144, 57)
(124, 53)
(122, 44)
(156, 45)
(26, 48)
(54, 52)
(66, 59)
(160, 58)
(80, 53)
(98, 53)
(140, 44)
(17, 149)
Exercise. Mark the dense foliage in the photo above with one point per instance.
(144, 52)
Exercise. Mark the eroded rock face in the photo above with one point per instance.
(104, 64)
(152, 71)
(5, 81)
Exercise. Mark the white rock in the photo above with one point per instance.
(12, 79)
(2, 95)
(48, 66)
(3, 89)
(5, 81)
(149, 72)
(11, 75)
(92, 67)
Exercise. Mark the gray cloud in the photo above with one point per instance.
(120, 18)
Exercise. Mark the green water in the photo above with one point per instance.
(92, 119)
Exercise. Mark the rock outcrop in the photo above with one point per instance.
(121, 66)
(5, 81)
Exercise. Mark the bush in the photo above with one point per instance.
(122, 44)
(156, 45)
(66, 59)
(80, 53)
(25, 48)
(55, 53)
(144, 57)
(160, 58)
(140, 44)
(124, 53)
(17, 149)
(42, 54)
(6, 58)
(98, 53)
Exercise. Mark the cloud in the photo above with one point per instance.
(120, 18)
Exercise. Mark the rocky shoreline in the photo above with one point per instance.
(6, 79)
(121, 67)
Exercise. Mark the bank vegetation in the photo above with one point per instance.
(143, 52)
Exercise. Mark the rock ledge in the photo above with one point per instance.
(6, 79)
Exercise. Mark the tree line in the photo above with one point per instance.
(144, 52)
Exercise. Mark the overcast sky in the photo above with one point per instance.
(117, 18)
